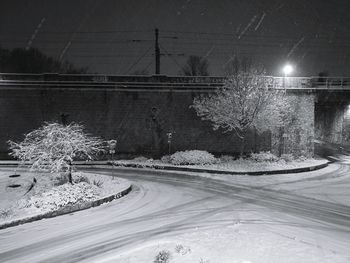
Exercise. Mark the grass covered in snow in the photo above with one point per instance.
(51, 192)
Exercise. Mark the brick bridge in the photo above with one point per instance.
(140, 110)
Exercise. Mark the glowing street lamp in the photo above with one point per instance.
(288, 69)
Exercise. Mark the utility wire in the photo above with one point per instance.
(171, 57)
(138, 60)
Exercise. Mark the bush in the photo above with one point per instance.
(180, 249)
(81, 179)
(98, 183)
(63, 195)
(302, 158)
(162, 257)
(165, 159)
(192, 157)
(140, 159)
(5, 212)
(226, 158)
(264, 157)
(288, 157)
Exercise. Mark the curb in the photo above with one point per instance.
(200, 170)
(68, 209)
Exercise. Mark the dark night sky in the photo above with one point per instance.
(117, 36)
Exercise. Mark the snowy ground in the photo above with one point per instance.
(237, 243)
(232, 219)
(47, 194)
(244, 165)
(266, 239)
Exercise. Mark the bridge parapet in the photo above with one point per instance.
(291, 83)
(162, 82)
(330, 83)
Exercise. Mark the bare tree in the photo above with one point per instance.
(246, 100)
(34, 61)
(196, 66)
(55, 146)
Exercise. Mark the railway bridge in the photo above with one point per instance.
(139, 111)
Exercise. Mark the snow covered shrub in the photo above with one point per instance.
(64, 195)
(162, 257)
(6, 212)
(80, 179)
(140, 159)
(226, 158)
(302, 158)
(288, 157)
(192, 157)
(180, 249)
(98, 183)
(165, 159)
(264, 157)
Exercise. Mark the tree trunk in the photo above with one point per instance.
(70, 179)
(241, 148)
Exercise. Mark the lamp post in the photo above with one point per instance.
(112, 144)
(287, 70)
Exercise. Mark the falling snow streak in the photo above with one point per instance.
(228, 61)
(260, 21)
(30, 42)
(238, 28)
(65, 49)
(83, 21)
(247, 27)
(295, 47)
(209, 52)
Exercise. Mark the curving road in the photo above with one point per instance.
(164, 204)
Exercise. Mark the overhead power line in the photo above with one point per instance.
(138, 60)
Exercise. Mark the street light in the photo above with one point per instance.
(288, 69)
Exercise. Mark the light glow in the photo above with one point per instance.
(288, 69)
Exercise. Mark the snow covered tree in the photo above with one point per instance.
(246, 100)
(53, 147)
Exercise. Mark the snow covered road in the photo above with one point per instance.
(165, 205)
